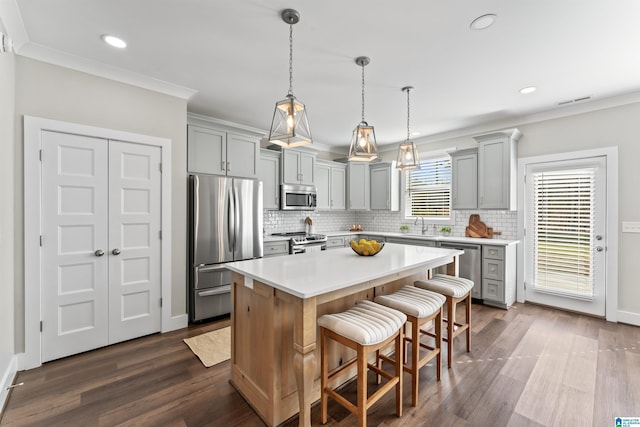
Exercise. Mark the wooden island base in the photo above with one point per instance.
(274, 349)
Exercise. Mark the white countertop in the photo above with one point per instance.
(496, 242)
(312, 274)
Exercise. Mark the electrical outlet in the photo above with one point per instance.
(630, 227)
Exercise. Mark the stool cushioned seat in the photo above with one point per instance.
(446, 285)
(413, 301)
(366, 323)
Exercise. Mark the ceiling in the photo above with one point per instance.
(229, 58)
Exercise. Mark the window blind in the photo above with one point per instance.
(428, 189)
(563, 222)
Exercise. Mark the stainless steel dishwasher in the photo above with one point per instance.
(470, 265)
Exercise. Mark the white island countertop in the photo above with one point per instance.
(312, 274)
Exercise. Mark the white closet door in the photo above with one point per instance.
(74, 235)
(134, 240)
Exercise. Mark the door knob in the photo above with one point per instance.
(116, 251)
(99, 252)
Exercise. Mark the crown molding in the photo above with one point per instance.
(74, 62)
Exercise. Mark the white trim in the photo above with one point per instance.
(78, 63)
(629, 318)
(8, 374)
(611, 155)
(174, 323)
(33, 127)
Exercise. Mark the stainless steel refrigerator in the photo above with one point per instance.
(225, 224)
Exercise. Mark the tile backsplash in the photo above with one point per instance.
(326, 221)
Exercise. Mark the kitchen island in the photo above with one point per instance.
(276, 301)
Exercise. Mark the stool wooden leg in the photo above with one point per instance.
(451, 318)
(362, 387)
(400, 370)
(324, 375)
(415, 357)
(438, 345)
(468, 312)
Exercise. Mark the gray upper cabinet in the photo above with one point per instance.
(218, 152)
(298, 167)
(358, 186)
(385, 186)
(270, 176)
(331, 185)
(464, 179)
(497, 169)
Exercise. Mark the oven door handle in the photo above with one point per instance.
(217, 291)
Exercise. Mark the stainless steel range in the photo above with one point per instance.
(302, 242)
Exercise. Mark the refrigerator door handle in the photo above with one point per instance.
(216, 291)
(236, 219)
(230, 219)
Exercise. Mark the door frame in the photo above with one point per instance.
(33, 127)
(611, 258)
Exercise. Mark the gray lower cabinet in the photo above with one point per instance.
(337, 242)
(279, 247)
(409, 241)
(499, 275)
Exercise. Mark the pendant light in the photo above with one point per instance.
(290, 127)
(407, 153)
(363, 141)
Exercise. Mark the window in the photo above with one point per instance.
(562, 215)
(428, 190)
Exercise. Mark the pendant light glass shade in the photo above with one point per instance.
(363, 146)
(290, 126)
(407, 153)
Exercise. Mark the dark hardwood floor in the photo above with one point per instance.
(528, 366)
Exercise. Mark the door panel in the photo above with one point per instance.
(74, 227)
(213, 233)
(134, 215)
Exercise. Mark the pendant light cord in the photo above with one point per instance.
(291, 59)
(363, 92)
(408, 114)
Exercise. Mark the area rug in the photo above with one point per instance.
(213, 347)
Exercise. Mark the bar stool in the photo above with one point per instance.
(455, 290)
(366, 328)
(421, 307)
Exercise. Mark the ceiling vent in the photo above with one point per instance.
(573, 101)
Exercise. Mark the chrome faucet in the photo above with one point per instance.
(424, 229)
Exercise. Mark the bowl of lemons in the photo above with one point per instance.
(366, 247)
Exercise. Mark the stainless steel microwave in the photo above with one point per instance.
(297, 197)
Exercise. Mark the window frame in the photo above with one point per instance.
(410, 219)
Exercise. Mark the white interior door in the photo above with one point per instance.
(565, 241)
(74, 243)
(134, 240)
(101, 247)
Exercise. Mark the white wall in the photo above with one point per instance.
(7, 334)
(52, 92)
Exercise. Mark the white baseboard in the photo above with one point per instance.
(629, 318)
(175, 322)
(8, 369)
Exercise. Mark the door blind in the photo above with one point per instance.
(563, 223)
(428, 189)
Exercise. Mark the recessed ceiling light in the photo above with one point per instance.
(483, 22)
(528, 89)
(416, 133)
(114, 41)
